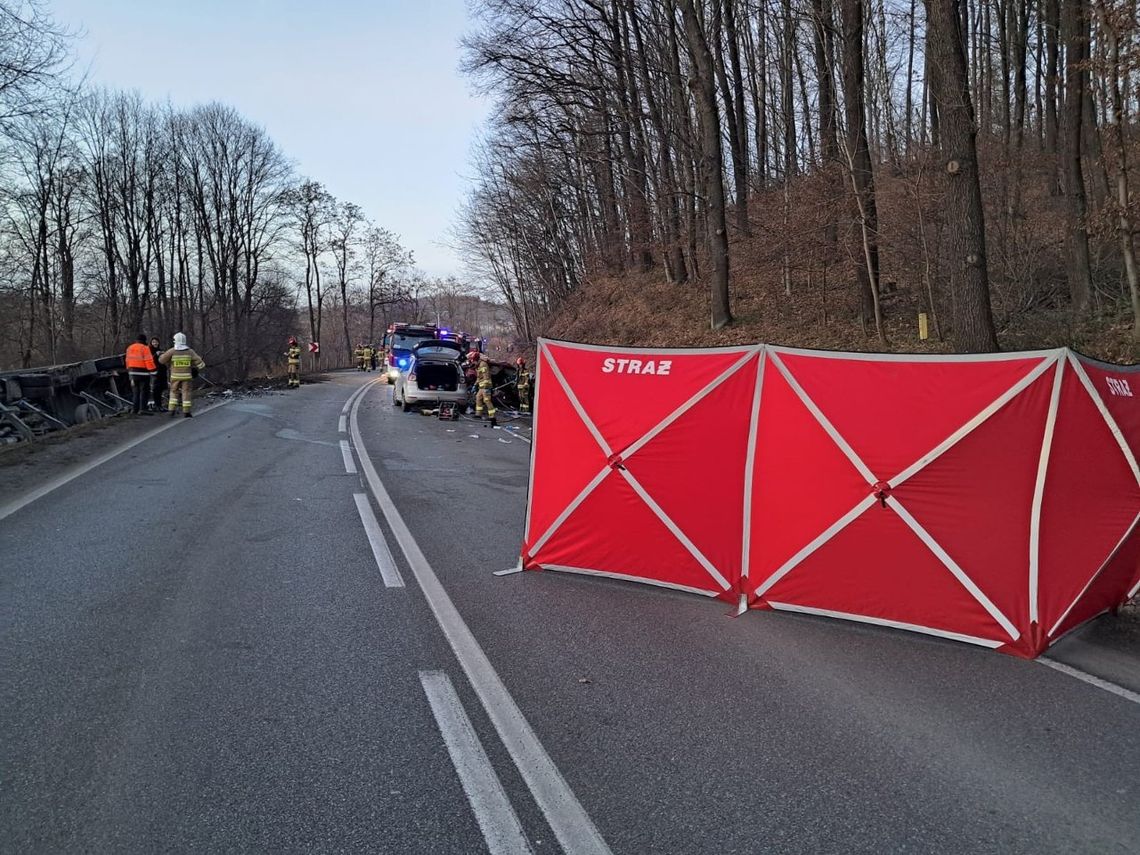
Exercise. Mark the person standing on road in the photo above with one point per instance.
(182, 361)
(486, 385)
(522, 383)
(293, 363)
(141, 368)
(366, 357)
(158, 380)
(358, 355)
(373, 350)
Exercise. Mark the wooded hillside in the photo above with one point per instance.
(813, 170)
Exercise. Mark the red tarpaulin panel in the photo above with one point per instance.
(990, 499)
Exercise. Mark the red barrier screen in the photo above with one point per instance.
(992, 499)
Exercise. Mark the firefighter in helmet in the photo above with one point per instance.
(358, 355)
(484, 386)
(293, 357)
(366, 357)
(522, 383)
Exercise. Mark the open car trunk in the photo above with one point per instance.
(437, 376)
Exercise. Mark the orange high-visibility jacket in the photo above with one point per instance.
(140, 359)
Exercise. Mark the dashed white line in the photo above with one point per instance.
(380, 551)
(568, 820)
(1119, 691)
(346, 453)
(342, 424)
(497, 819)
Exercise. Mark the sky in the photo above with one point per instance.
(364, 96)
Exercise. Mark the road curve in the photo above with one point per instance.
(206, 648)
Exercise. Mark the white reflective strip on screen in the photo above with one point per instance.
(691, 547)
(836, 437)
(577, 405)
(1108, 419)
(894, 624)
(913, 357)
(974, 423)
(664, 351)
(570, 508)
(953, 567)
(1119, 544)
(1135, 590)
(534, 437)
(627, 578)
(1039, 491)
(688, 405)
(823, 538)
(749, 474)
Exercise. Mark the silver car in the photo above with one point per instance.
(434, 374)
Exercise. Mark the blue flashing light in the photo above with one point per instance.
(403, 363)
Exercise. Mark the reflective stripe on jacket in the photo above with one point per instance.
(294, 354)
(182, 363)
(483, 374)
(140, 359)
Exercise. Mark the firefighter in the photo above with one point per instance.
(293, 363)
(141, 368)
(182, 361)
(366, 358)
(522, 383)
(358, 355)
(484, 396)
(158, 380)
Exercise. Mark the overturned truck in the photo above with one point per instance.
(37, 401)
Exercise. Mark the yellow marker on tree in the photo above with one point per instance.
(923, 327)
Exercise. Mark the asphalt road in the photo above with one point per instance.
(201, 650)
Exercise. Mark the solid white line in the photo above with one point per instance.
(380, 551)
(14, 505)
(516, 434)
(497, 819)
(893, 624)
(346, 453)
(568, 820)
(342, 424)
(1119, 691)
(1039, 491)
(352, 398)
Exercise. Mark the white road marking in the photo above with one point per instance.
(346, 453)
(1119, 691)
(352, 399)
(11, 507)
(571, 824)
(497, 819)
(380, 551)
(342, 424)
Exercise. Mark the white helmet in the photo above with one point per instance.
(180, 341)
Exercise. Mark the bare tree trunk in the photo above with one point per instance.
(712, 161)
(1120, 154)
(1075, 34)
(859, 157)
(970, 293)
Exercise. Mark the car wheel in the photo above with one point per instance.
(407, 407)
(395, 400)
